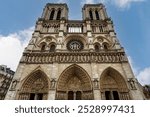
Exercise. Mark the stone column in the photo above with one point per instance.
(51, 94)
(102, 14)
(55, 14)
(89, 35)
(94, 15)
(97, 94)
(60, 35)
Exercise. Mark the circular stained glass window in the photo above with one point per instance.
(75, 45)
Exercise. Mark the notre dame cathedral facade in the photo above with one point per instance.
(74, 59)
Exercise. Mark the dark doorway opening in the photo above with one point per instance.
(115, 95)
(78, 95)
(108, 95)
(70, 95)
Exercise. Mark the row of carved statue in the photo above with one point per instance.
(71, 57)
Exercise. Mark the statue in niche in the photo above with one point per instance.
(53, 83)
(14, 84)
(95, 82)
(132, 83)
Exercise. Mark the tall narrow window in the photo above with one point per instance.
(52, 48)
(52, 14)
(58, 15)
(105, 46)
(43, 47)
(91, 15)
(97, 48)
(97, 15)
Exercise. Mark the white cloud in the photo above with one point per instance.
(88, 1)
(61, 1)
(144, 76)
(118, 3)
(135, 69)
(125, 3)
(12, 46)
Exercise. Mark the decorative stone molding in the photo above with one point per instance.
(73, 57)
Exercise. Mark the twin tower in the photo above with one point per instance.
(74, 59)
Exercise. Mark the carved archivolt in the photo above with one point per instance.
(74, 79)
(36, 82)
(112, 80)
(75, 37)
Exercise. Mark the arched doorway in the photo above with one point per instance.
(74, 84)
(113, 85)
(35, 87)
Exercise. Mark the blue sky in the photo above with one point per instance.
(131, 20)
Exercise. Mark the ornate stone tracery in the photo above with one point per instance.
(110, 81)
(74, 79)
(35, 83)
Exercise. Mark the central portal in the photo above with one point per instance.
(74, 84)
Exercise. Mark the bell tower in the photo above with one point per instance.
(94, 12)
(74, 59)
(55, 12)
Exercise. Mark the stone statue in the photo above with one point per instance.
(95, 83)
(132, 83)
(14, 84)
(53, 83)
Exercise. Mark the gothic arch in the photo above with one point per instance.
(91, 14)
(52, 47)
(74, 80)
(72, 36)
(113, 85)
(52, 14)
(47, 39)
(35, 86)
(97, 15)
(97, 46)
(103, 40)
(59, 14)
(43, 46)
(76, 37)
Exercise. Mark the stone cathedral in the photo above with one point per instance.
(74, 59)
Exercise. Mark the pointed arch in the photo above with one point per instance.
(91, 15)
(74, 79)
(59, 14)
(52, 47)
(52, 14)
(43, 46)
(35, 86)
(105, 46)
(97, 47)
(97, 15)
(113, 85)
